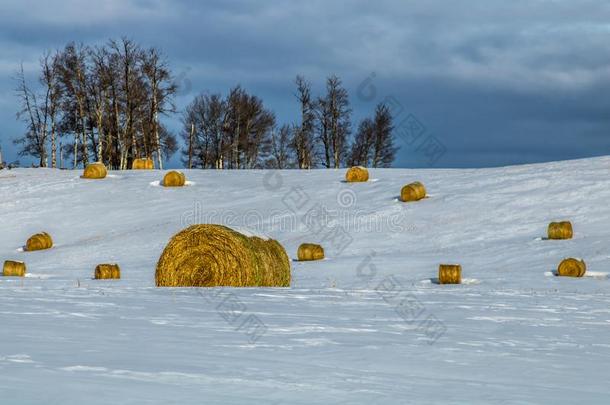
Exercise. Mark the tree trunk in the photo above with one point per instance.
(192, 133)
(156, 124)
(75, 150)
(53, 146)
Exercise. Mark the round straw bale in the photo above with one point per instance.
(95, 171)
(560, 230)
(107, 271)
(450, 274)
(143, 164)
(215, 255)
(357, 174)
(13, 269)
(174, 179)
(310, 251)
(39, 241)
(572, 268)
(413, 192)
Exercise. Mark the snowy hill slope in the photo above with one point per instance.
(366, 325)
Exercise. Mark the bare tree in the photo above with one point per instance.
(50, 80)
(374, 141)
(247, 126)
(162, 89)
(227, 133)
(33, 142)
(110, 98)
(279, 147)
(72, 74)
(203, 131)
(336, 115)
(303, 135)
(360, 154)
(384, 151)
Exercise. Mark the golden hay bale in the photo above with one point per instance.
(449, 274)
(572, 268)
(107, 271)
(214, 255)
(95, 171)
(357, 174)
(143, 164)
(310, 251)
(413, 192)
(40, 241)
(174, 179)
(560, 230)
(13, 269)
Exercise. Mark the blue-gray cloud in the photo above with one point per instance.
(497, 82)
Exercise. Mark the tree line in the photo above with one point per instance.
(237, 131)
(105, 103)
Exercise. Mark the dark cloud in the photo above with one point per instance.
(496, 82)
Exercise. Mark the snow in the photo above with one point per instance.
(367, 326)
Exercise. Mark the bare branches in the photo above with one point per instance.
(106, 99)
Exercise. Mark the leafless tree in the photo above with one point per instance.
(279, 147)
(374, 141)
(226, 133)
(334, 117)
(303, 143)
(33, 142)
(109, 99)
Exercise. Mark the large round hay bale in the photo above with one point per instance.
(107, 271)
(310, 251)
(95, 171)
(450, 274)
(357, 174)
(174, 179)
(39, 241)
(13, 269)
(215, 255)
(413, 192)
(572, 268)
(560, 230)
(143, 164)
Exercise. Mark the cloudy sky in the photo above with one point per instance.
(492, 82)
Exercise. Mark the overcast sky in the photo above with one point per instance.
(493, 82)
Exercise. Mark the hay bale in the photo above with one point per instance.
(572, 268)
(39, 241)
(143, 164)
(357, 174)
(413, 192)
(95, 171)
(174, 179)
(449, 274)
(215, 255)
(107, 271)
(13, 269)
(560, 230)
(310, 251)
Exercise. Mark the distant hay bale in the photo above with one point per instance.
(572, 268)
(143, 164)
(450, 274)
(413, 192)
(215, 255)
(174, 179)
(95, 171)
(310, 251)
(357, 174)
(107, 271)
(39, 241)
(560, 230)
(13, 269)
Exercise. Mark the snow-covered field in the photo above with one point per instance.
(366, 325)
